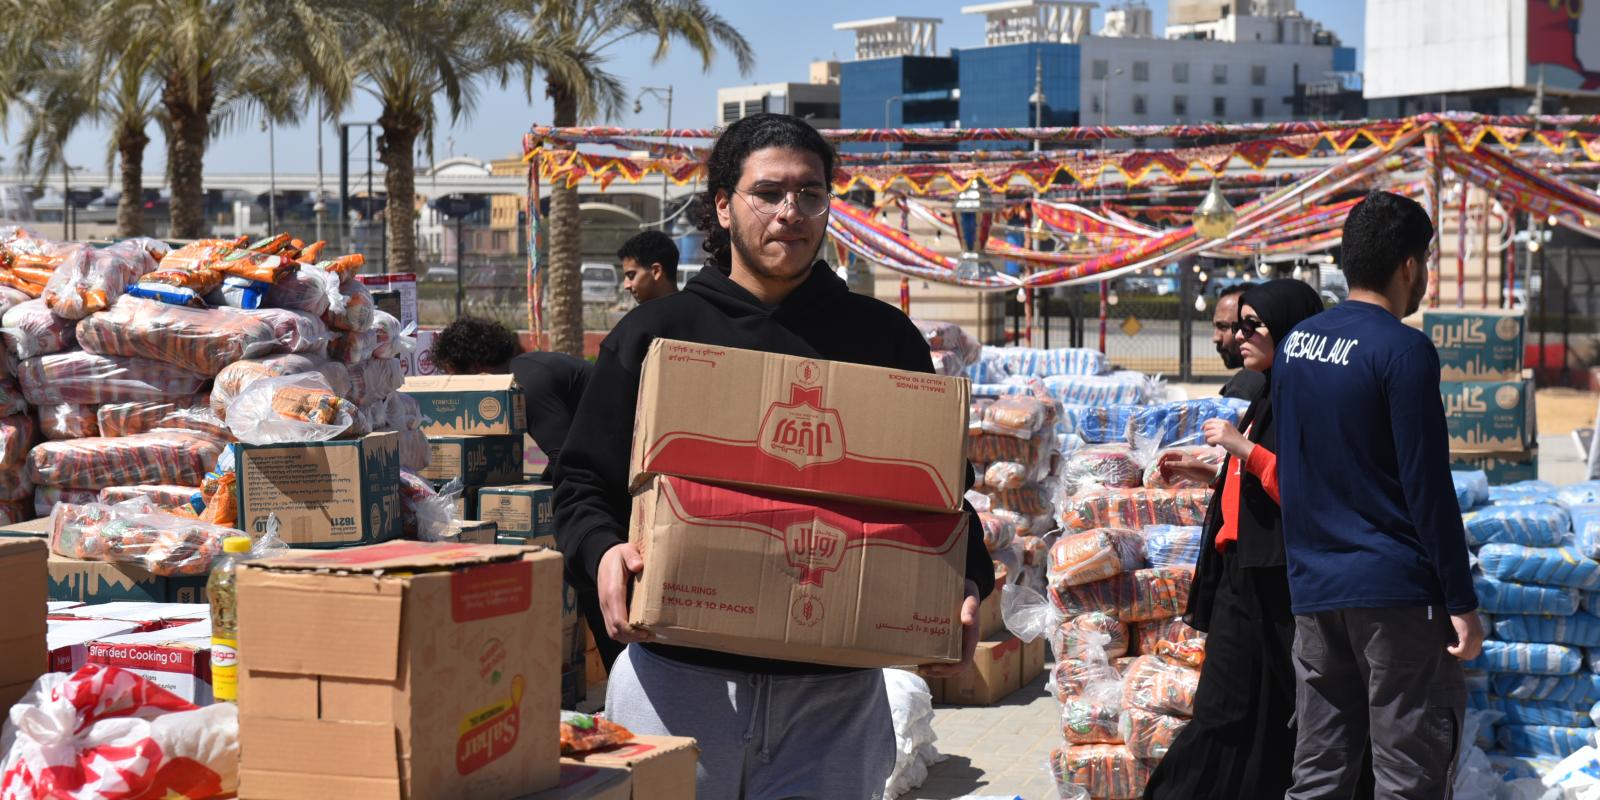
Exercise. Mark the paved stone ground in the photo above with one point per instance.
(998, 750)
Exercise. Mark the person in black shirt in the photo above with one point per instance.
(1245, 383)
(649, 266)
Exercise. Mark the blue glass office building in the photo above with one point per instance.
(997, 82)
(899, 92)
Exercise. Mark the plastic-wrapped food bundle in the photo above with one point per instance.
(1149, 635)
(392, 341)
(1153, 479)
(1586, 493)
(404, 414)
(93, 279)
(946, 339)
(1535, 712)
(29, 329)
(353, 347)
(238, 376)
(1153, 684)
(14, 511)
(1172, 545)
(1106, 771)
(375, 379)
(1103, 424)
(1532, 525)
(1097, 390)
(1016, 415)
(990, 448)
(415, 454)
(161, 456)
(1091, 718)
(67, 421)
(203, 341)
(46, 497)
(292, 408)
(1504, 597)
(1472, 488)
(377, 413)
(1186, 653)
(1523, 493)
(16, 436)
(1550, 566)
(11, 298)
(309, 289)
(1086, 630)
(998, 531)
(90, 379)
(15, 484)
(1586, 529)
(1030, 501)
(1573, 690)
(1005, 476)
(1103, 466)
(1543, 740)
(1139, 596)
(1149, 735)
(295, 331)
(1177, 423)
(356, 315)
(1093, 556)
(137, 534)
(178, 500)
(1580, 629)
(126, 419)
(581, 733)
(1134, 508)
(12, 399)
(1038, 363)
(1527, 657)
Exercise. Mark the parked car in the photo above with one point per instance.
(601, 283)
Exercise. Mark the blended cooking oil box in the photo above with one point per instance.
(1489, 416)
(475, 460)
(471, 405)
(176, 659)
(1481, 345)
(762, 574)
(403, 669)
(324, 494)
(801, 425)
(23, 630)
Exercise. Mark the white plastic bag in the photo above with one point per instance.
(436, 514)
(253, 419)
(911, 707)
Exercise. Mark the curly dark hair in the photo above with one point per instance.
(1381, 232)
(725, 166)
(474, 344)
(652, 247)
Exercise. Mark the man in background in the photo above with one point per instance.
(649, 266)
(1245, 384)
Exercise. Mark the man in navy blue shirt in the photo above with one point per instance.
(1384, 606)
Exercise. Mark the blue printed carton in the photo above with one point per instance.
(523, 513)
(1489, 416)
(1501, 468)
(1476, 345)
(324, 494)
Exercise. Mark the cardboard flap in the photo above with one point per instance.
(355, 749)
(397, 556)
(274, 785)
(285, 623)
(460, 383)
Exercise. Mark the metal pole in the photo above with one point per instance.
(1543, 304)
(1566, 314)
(66, 192)
(1483, 278)
(369, 186)
(318, 205)
(461, 264)
(1185, 321)
(1461, 249)
(272, 179)
(344, 186)
(1105, 309)
(663, 215)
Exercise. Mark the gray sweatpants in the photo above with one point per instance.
(1380, 675)
(762, 737)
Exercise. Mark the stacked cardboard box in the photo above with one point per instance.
(23, 632)
(646, 768)
(810, 514)
(476, 430)
(1488, 399)
(323, 494)
(404, 669)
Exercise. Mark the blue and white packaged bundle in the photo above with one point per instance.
(1472, 488)
(1544, 740)
(995, 363)
(1529, 657)
(1178, 423)
(1586, 529)
(1172, 545)
(1550, 566)
(1522, 492)
(1503, 597)
(1099, 390)
(1540, 712)
(237, 292)
(1582, 689)
(1533, 525)
(1579, 494)
(1579, 629)
(1106, 424)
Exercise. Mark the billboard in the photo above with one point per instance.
(1564, 45)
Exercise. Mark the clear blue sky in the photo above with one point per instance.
(786, 37)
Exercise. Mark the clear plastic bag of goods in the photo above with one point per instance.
(1139, 596)
(1078, 632)
(291, 408)
(403, 413)
(11, 298)
(179, 287)
(45, 498)
(352, 347)
(1171, 424)
(415, 454)
(1548, 566)
(1148, 734)
(431, 517)
(1582, 689)
(1531, 658)
(1184, 653)
(1543, 740)
(1105, 424)
(375, 379)
(947, 363)
(262, 261)
(392, 338)
(16, 436)
(158, 457)
(1148, 636)
(949, 337)
(93, 279)
(202, 341)
(89, 379)
(911, 707)
(308, 289)
(1091, 556)
(1472, 488)
(15, 484)
(1031, 501)
(1092, 715)
(1018, 415)
(1105, 771)
(1172, 545)
(29, 330)
(1154, 684)
(136, 533)
(1027, 361)
(1133, 508)
(126, 419)
(1580, 629)
(1586, 529)
(356, 313)
(998, 531)
(1531, 525)
(1154, 479)
(1097, 390)
(377, 413)
(1586, 493)
(176, 500)
(67, 421)
(1540, 712)
(295, 331)
(1505, 597)
(104, 732)
(1523, 493)
(990, 448)
(1004, 476)
(238, 376)
(1103, 466)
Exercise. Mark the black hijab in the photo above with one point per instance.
(1280, 305)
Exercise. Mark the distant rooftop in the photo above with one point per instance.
(1021, 21)
(888, 37)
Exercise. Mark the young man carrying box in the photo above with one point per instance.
(765, 727)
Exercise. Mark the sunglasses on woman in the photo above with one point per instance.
(1248, 326)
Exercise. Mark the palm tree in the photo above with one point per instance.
(585, 30)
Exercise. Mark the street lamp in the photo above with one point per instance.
(887, 103)
(1037, 98)
(66, 198)
(664, 94)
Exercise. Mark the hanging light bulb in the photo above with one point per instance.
(1329, 259)
(1204, 277)
(1232, 273)
(1533, 245)
(1554, 220)
(1200, 303)
(1215, 218)
(1111, 299)
(1022, 295)
(1298, 274)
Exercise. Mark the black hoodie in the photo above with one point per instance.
(821, 318)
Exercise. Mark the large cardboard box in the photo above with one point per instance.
(325, 494)
(470, 405)
(1502, 468)
(106, 581)
(471, 532)
(1490, 416)
(580, 781)
(1034, 655)
(663, 767)
(176, 659)
(996, 672)
(990, 623)
(820, 428)
(524, 511)
(23, 631)
(1476, 345)
(68, 639)
(761, 574)
(475, 460)
(404, 669)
